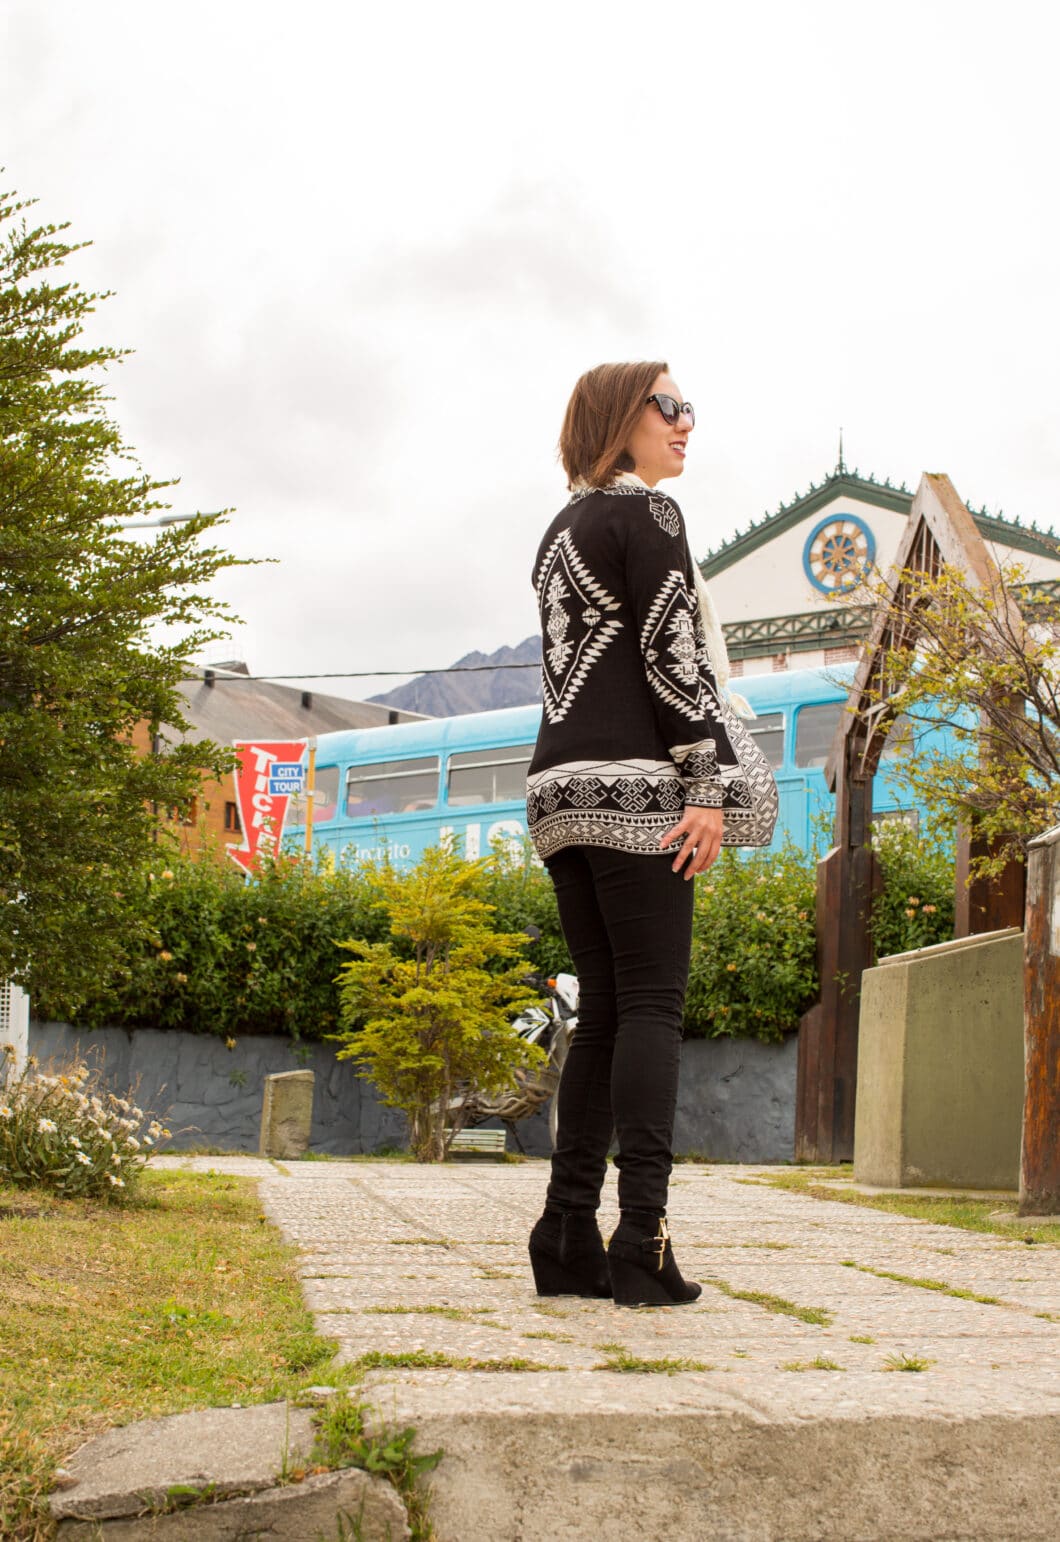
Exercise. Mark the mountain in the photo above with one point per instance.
(448, 695)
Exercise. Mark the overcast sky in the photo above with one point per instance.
(363, 251)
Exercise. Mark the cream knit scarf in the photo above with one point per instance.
(715, 637)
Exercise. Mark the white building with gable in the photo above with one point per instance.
(771, 583)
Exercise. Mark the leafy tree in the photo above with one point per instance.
(82, 608)
(430, 1028)
(975, 673)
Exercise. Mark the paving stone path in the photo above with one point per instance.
(398, 1259)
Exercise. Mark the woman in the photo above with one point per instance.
(634, 786)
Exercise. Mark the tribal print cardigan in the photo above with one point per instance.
(633, 726)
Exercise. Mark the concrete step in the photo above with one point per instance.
(687, 1458)
(215, 1475)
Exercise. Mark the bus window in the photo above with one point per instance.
(392, 787)
(814, 731)
(768, 731)
(489, 776)
(325, 802)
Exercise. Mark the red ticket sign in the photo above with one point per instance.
(261, 810)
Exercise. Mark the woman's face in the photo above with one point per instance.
(658, 450)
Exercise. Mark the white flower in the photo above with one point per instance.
(6, 1111)
(115, 1158)
(84, 1160)
(115, 1183)
(72, 1140)
(132, 1143)
(149, 1140)
(138, 1113)
(46, 1126)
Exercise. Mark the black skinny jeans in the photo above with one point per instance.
(627, 919)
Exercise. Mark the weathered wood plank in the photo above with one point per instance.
(848, 878)
(1040, 1150)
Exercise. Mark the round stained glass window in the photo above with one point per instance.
(837, 552)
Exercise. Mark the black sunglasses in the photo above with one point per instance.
(672, 410)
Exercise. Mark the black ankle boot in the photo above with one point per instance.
(641, 1262)
(567, 1255)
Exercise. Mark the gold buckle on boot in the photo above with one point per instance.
(662, 1237)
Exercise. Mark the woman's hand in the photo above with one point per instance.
(702, 830)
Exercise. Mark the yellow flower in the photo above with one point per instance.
(912, 900)
(165, 955)
(910, 912)
(230, 1043)
(731, 968)
(929, 910)
(167, 873)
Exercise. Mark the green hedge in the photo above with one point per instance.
(229, 957)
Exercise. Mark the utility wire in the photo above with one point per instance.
(225, 678)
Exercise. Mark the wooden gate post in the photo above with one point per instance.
(1040, 1151)
(827, 1066)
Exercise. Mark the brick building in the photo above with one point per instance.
(224, 704)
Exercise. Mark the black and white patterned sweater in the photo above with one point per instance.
(633, 727)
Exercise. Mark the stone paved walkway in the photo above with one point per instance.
(398, 1258)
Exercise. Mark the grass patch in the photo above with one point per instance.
(182, 1298)
(346, 1439)
(927, 1284)
(620, 1359)
(906, 1363)
(775, 1246)
(420, 1242)
(818, 1315)
(941, 1210)
(556, 1338)
(546, 1309)
(862, 1338)
(819, 1363)
(453, 1313)
(431, 1360)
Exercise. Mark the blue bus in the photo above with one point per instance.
(406, 786)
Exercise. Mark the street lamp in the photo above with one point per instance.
(161, 522)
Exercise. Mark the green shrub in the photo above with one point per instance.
(428, 1021)
(229, 957)
(753, 970)
(65, 1132)
(522, 895)
(916, 905)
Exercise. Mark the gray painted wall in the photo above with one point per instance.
(735, 1102)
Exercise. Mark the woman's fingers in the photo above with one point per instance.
(701, 830)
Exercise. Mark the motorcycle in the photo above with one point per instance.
(551, 1025)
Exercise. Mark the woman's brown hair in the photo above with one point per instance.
(601, 415)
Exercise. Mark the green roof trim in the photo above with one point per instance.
(992, 527)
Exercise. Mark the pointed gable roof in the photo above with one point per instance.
(866, 489)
